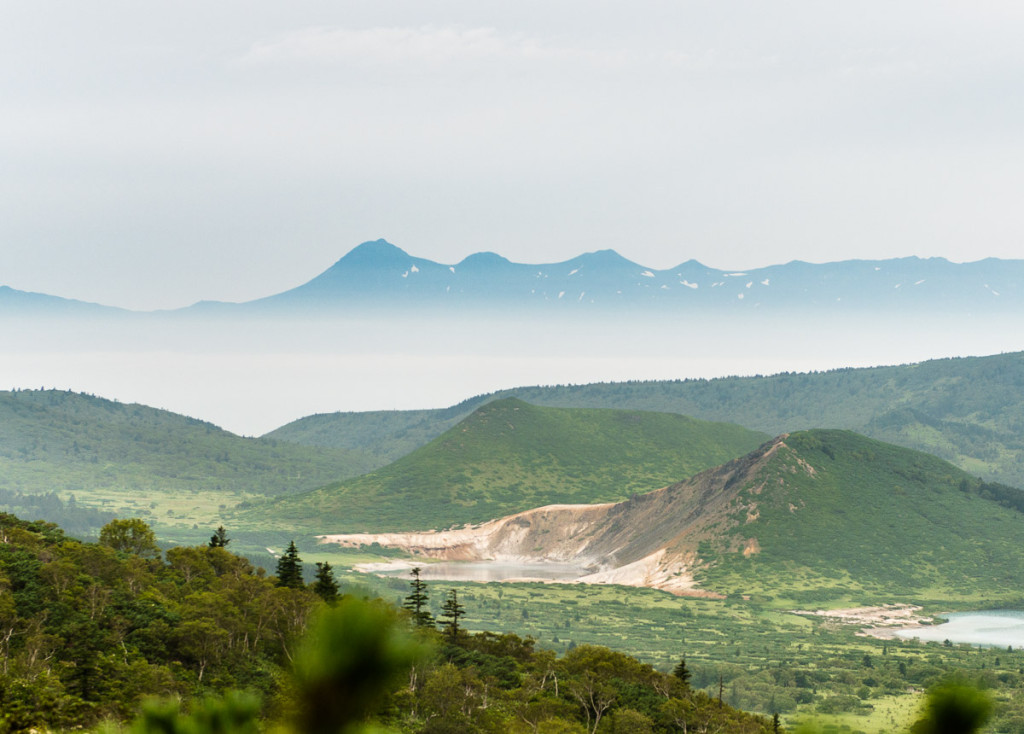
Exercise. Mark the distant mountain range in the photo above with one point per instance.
(379, 276)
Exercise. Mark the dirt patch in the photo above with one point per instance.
(882, 622)
(552, 533)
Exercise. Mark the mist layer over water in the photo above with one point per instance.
(253, 376)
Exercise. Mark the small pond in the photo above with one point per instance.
(999, 628)
(485, 571)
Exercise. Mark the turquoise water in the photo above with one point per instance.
(1000, 628)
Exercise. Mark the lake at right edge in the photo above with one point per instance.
(998, 628)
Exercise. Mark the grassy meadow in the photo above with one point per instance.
(767, 658)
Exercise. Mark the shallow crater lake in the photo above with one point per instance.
(484, 571)
(998, 628)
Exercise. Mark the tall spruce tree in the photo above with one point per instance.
(289, 568)
(682, 672)
(452, 611)
(220, 538)
(416, 601)
(325, 586)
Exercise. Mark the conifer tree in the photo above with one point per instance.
(289, 568)
(220, 538)
(452, 611)
(416, 602)
(682, 672)
(326, 586)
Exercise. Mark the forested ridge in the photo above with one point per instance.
(969, 410)
(57, 440)
(89, 631)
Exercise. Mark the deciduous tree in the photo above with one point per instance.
(131, 536)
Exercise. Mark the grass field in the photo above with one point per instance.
(766, 658)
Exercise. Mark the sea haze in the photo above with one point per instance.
(383, 329)
(253, 375)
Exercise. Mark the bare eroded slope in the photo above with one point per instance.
(649, 540)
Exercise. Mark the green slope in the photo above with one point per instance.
(108, 454)
(510, 456)
(382, 435)
(969, 411)
(836, 515)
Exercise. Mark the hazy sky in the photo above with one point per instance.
(156, 153)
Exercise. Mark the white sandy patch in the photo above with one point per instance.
(514, 540)
(882, 622)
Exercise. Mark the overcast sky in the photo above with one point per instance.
(156, 153)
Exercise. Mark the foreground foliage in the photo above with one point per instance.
(88, 632)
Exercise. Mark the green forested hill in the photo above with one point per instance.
(384, 435)
(830, 514)
(131, 457)
(969, 411)
(63, 441)
(510, 456)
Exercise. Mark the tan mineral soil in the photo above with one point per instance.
(882, 622)
(554, 533)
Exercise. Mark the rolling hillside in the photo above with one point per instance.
(968, 411)
(509, 456)
(383, 435)
(107, 454)
(809, 517)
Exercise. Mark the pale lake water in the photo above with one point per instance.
(484, 571)
(1000, 628)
